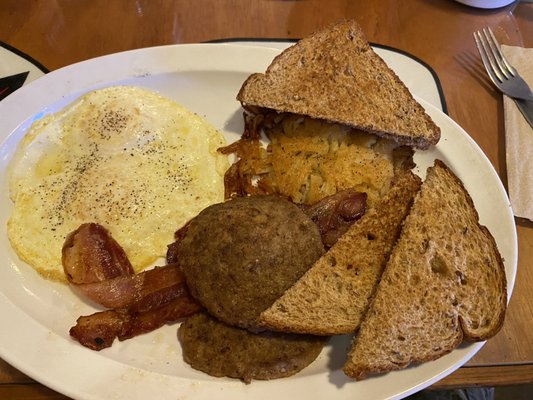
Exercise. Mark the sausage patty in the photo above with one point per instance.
(241, 255)
(221, 350)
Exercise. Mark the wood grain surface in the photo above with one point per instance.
(58, 33)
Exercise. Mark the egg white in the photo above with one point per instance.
(125, 157)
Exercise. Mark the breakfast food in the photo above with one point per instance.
(336, 117)
(444, 283)
(332, 297)
(97, 267)
(238, 257)
(221, 350)
(90, 254)
(241, 255)
(335, 75)
(333, 215)
(124, 157)
(308, 159)
(99, 330)
(310, 222)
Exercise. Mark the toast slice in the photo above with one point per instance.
(335, 75)
(444, 283)
(332, 297)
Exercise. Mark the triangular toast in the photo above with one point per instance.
(444, 283)
(335, 75)
(332, 297)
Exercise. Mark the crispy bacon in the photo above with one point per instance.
(98, 267)
(99, 330)
(90, 254)
(125, 291)
(335, 214)
(172, 250)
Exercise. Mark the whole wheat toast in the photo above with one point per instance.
(332, 297)
(335, 75)
(444, 283)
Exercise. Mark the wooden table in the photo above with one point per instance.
(58, 33)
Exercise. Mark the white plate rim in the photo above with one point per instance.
(116, 379)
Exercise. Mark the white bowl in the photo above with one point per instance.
(486, 3)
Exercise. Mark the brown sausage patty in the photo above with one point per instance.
(221, 350)
(240, 256)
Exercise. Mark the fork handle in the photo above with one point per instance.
(526, 108)
(525, 97)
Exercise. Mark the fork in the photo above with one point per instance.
(501, 73)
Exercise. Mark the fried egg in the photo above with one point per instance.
(124, 157)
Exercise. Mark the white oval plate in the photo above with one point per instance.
(37, 314)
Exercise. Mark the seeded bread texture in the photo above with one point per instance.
(335, 75)
(444, 283)
(332, 297)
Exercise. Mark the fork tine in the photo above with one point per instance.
(503, 75)
(490, 57)
(495, 59)
(508, 66)
(483, 52)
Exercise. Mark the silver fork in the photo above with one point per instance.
(501, 73)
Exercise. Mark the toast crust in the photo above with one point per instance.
(335, 75)
(444, 283)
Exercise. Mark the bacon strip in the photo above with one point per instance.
(90, 254)
(124, 291)
(335, 214)
(99, 330)
(98, 267)
(172, 249)
(149, 299)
